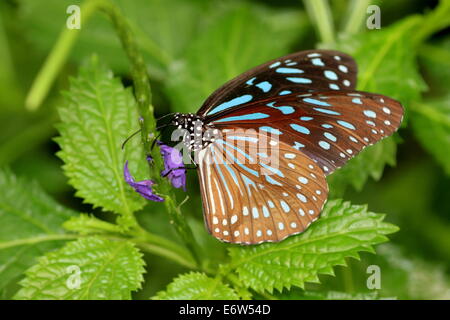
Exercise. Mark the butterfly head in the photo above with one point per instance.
(197, 135)
(188, 121)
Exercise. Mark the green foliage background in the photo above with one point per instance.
(63, 201)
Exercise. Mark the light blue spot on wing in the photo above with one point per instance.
(327, 111)
(303, 180)
(330, 136)
(317, 62)
(343, 68)
(334, 86)
(346, 124)
(317, 102)
(271, 130)
(357, 100)
(327, 126)
(285, 206)
(289, 156)
(330, 75)
(298, 145)
(275, 64)
(282, 93)
(255, 212)
(299, 80)
(266, 212)
(370, 114)
(301, 197)
(283, 109)
(250, 82)
(233, 102)
(272, 181)
(324, 145)
(276, 171)
(265, 86)
(288, 70)
(250, 116)
(306, 118)
(299, 128)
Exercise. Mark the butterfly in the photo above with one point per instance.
(305, 107)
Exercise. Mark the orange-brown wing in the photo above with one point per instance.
(257, 189)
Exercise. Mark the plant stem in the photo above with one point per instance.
(356, 12)
(434, 21)
(319, 12)
(348, 278)
(163, 247)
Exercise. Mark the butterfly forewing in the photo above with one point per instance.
(257, 189)
(329, 127)
(301, 72)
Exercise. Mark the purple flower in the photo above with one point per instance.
(173, 169)
(173, 166)
(144, 187)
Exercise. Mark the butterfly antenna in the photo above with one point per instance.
(166, 115)
(127, 139)
(155, 140)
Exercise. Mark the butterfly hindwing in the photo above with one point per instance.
(248, 199)
(301, 72)
(329, 127)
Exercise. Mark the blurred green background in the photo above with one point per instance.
(191, 47)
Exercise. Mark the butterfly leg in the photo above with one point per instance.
(179, 168)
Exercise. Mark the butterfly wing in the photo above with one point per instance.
(249, 199)
(301, 72)
(329, 127)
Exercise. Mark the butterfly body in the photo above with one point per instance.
(266, 140)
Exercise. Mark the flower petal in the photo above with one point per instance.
(144, 187)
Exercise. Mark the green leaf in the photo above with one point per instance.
(342, 231)
(435, 60)
(387, 61)
(87, 224)
(86, 269)
(431, 124)
(97, 115)
(234, 42)
(30, 223)
(162, 28)
(387, 65)
(197, 286)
